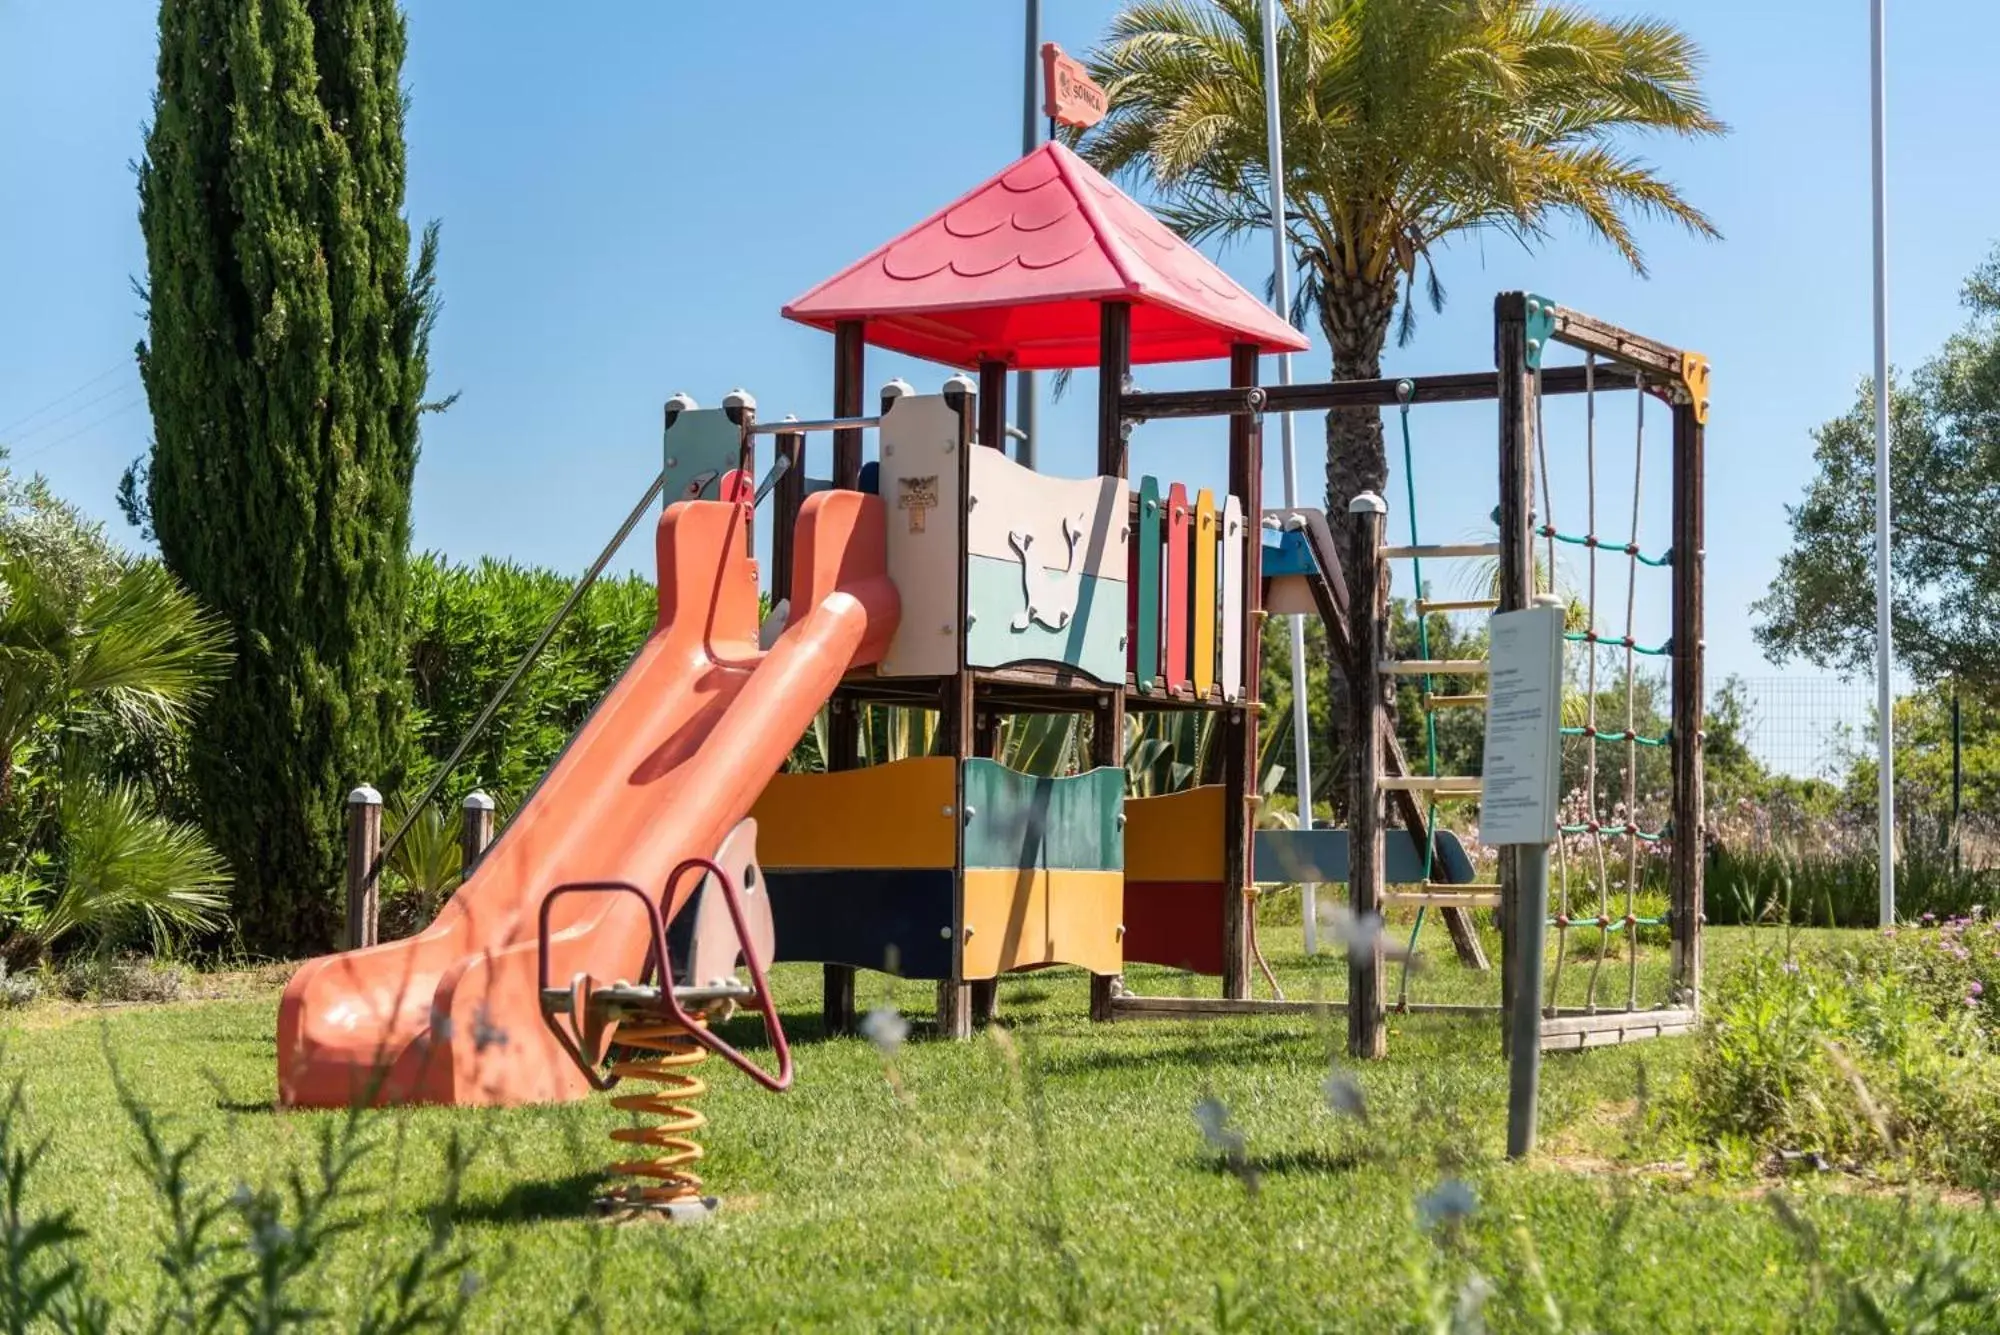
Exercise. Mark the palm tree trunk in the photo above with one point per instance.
(1355, 318)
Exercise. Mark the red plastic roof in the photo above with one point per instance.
(1015, 272)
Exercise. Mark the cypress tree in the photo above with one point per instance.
(285, 364)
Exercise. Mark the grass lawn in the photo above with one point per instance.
(1057, 1180)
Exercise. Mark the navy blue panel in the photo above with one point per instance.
(1287, 553)
(1285, 857)
(871, 477)
(869, 918)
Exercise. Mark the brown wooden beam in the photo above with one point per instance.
(1367, 1027)
(1460, 387)
(1589, 334)
(1517, 434)
(844, 716)
(1689, 847)
(1239, 726)
(993, 405)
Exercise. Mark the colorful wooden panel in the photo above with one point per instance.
(1286, 552)
(1177, 837)
(1230, 650)
(1174, 638)
(922, 492)
(897, 921)
(701, 446)
(1028, 919)
(1202, 608)
(1088, 636)
(1175, 923)
(1064, 527)
(895, 815)
(1143, 598)
(1015, 820)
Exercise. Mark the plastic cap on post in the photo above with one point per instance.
(961, 383)
(896, 389)
(740, 399)
(364, 796)
(1367, 503)
(477, 801)
(682, 402)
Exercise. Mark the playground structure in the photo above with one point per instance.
(666, 847)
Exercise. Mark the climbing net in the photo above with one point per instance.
(1612, 834)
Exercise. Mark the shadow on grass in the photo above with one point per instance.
(1271, 1048)
(569, 1197)
(1291, 1163)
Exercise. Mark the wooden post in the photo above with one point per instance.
(843, 739)
(1107, 716)
(985, 742)
(475, 830)
(957, 709)
(364, 847)
(1239, 727)
(993, 405)
(787, 499)
(1367, 1026)
(1517, 434)
(1690, 844)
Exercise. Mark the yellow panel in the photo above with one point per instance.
(895, 815)
(1178, 837)
(1024, 919)
(1202, 623)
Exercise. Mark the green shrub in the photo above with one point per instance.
(1954, 965)
(1846, 1059)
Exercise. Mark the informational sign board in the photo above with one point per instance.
(1523, 766)
(1070, 96)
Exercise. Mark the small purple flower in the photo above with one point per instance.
(1978, 988)
(1791, 966)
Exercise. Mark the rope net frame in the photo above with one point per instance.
(1611, 874)
(1613, 878)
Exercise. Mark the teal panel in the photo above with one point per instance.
(1541, 328)
(1091, 637)
(700, 447)
(1145, 611)
(1287, 857)
(1017, 821)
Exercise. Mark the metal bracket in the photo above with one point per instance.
(1694, 380)
(1541, 328)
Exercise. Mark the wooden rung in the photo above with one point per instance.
(1442, 785)
(1440, 900)
(1440, 550)
(1425, 605)
(1432, 667)
(1454, 701)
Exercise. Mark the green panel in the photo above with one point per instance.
(1018, 821)
(1146, 614)
(700, 447)
(1001, 632)
(1541, 328)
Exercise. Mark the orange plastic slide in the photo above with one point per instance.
(669, 762)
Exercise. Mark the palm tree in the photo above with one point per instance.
(1405, 123)
(87, 662)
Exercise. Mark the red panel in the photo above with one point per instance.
(1175, 923)
(1174, 660)
(1014, 272)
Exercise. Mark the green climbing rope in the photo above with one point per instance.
(1630, 549)
(1603, 736)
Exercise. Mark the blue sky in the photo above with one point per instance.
(630, 191)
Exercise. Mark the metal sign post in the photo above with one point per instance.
(1520, 782)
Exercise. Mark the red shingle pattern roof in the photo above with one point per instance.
(1015, 272)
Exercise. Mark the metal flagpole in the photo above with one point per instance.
(1884, 699)
(1281, 285)
(1024, 411)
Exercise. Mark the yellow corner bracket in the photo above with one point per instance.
(1694, 378)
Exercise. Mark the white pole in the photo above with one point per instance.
(1281, 285)
(1884, 699)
